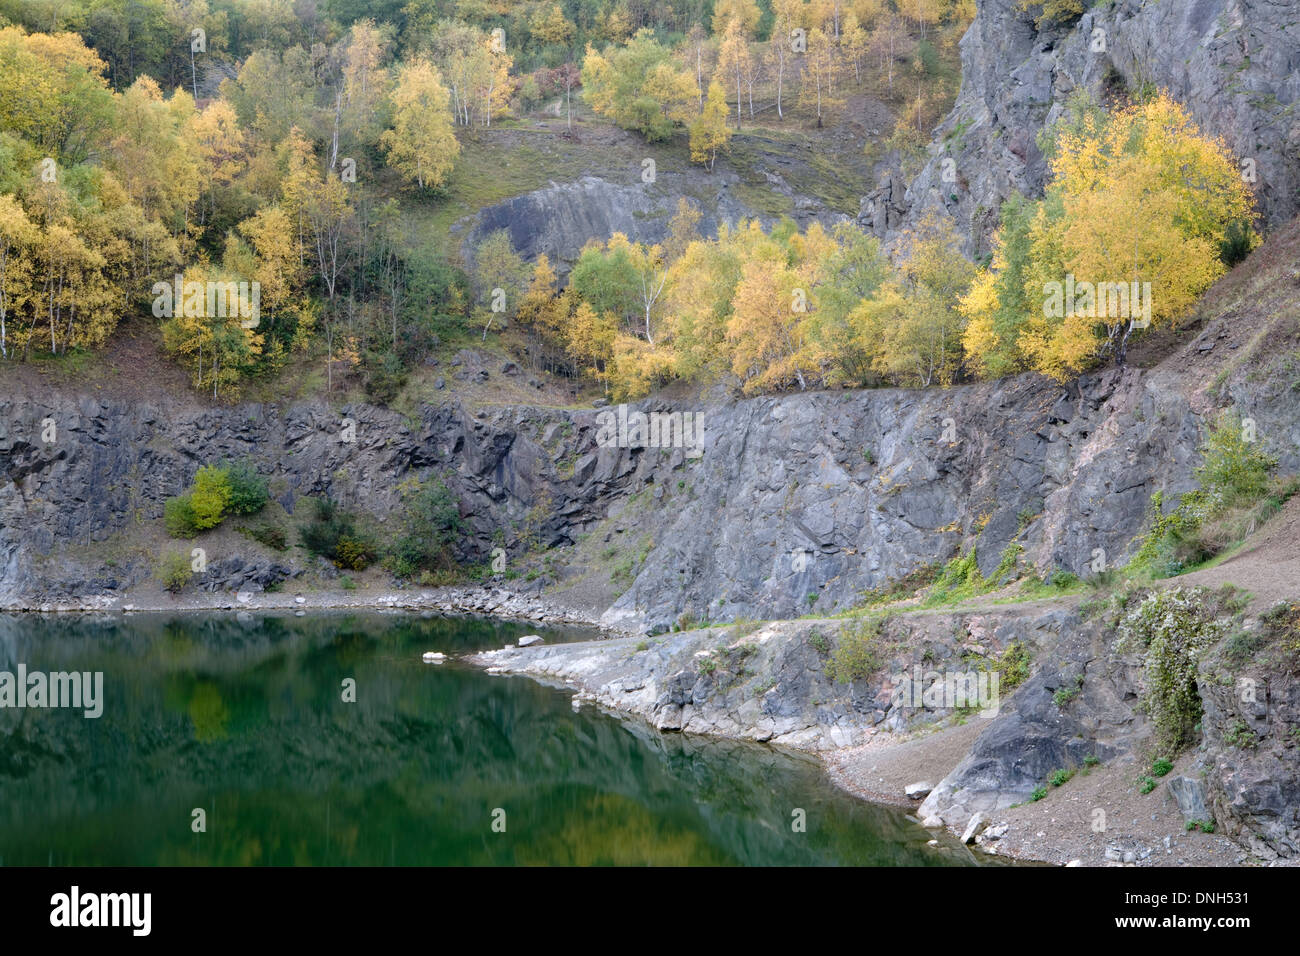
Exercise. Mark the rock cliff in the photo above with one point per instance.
(1235, 65)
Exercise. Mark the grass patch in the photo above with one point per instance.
(1237, 494)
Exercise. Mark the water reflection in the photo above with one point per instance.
(245, 718)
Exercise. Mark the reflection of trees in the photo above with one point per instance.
(245, 720)
(208, 713)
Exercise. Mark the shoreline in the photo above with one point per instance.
(457, 600)
(875, 769)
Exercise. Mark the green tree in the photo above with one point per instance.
(640, 86)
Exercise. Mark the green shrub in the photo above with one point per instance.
(1060, 777)
(430, 526)
(1063, 695)
(353, 553)
(173, 571)
(1146, 785)
(217, 490)
(248, 489)
(1236, 495)
(332, 534)
(960, 579)
(1037, 794)
(858, 653)
(1232, 468)
(209, 497)
(1240, 735)
(1012, 666)
(1161, 766)
(178, 517)
(1173, 628)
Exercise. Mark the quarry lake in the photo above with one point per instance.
(227, 740)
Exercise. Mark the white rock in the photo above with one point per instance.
(918, 791)
(433, 657)
(243, 597)
(299, 599)
(528, 640)
(1075, 863)
(977, 825)
(932, 823)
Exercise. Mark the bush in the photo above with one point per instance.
(858, 654)
(218, 490)
(209, 497)
(1161, 766)
(385, 374)
(1012, 667)
(178, 517)
(353, 553)
(430, 527)
(1232, 468)
(248, 493)
(332, 534)
(1236, 495)
(1173, 628)
(173, 572)
(1060, 778)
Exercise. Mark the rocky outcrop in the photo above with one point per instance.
(560, 219)
(777, 683)
(1251, 754)
(1077, 704)
(1231, 63)
(795, 501)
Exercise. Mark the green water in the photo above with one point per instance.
(245, 719)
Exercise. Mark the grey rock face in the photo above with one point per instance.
(1253, 784)
(796, 500)
(1035, 734)
(559, 219)
(1189, 794)
(1232, 63)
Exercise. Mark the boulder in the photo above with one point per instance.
(977, 825)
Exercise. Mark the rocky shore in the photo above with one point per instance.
(989, 776)
(489, 602)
